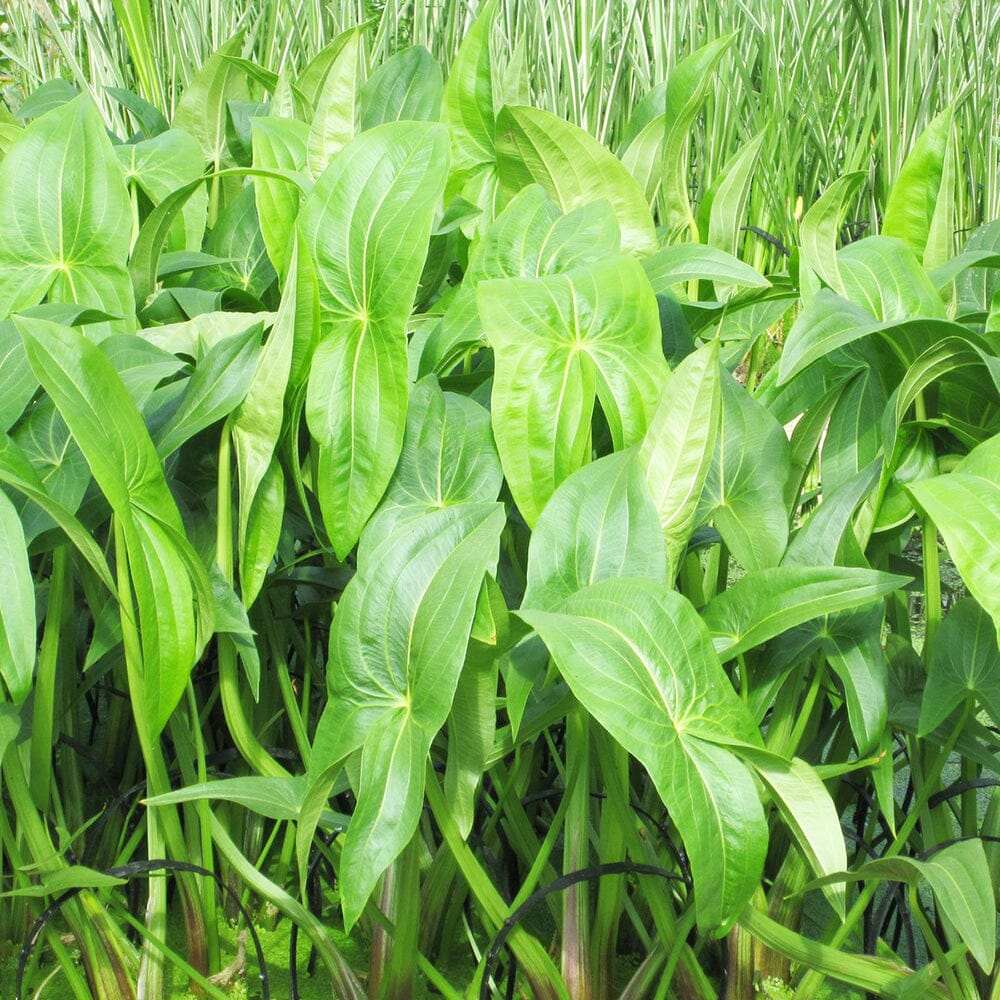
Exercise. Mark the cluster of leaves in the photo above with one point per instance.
(378, 446)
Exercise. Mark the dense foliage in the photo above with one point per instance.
(406, 514)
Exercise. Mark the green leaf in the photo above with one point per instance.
(65, 220)
(924, 180)
(677, 449)
(17, 381)
(683, 262)
(278, 144)
(408, 86)
(396, 650)
(601, 523)
(884, 276)
(64, 880)
(219, 384)
(819, 231)
(767, 602)
(231, 620)
(724, 208)
(332, 125)
(744, 489)
(201, 111)
(366, 225)
(959, 877)
(574, 168)
(448, 457)
(17, 609)
(558, 342)
(639, 659)
(237, 239)
(160, 166)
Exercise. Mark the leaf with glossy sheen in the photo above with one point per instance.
(884, 276)
(819, 231)
(218, 385)
(332, 125)
(744, 489)
(683, 262)
(201, 111)
(912, 206)
(767, 602)
(278, 143)
(640, 661)
(17, 609)
(601, 523)
(408, 86)
(560, 341)
(448, 457)
(396, 650)
(535, 146)
(966, 509)
(964, 661)
(366, 225)
(678, 446)
(172, 592)
(65, 218)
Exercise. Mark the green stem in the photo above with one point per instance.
(576, 853)
(932, 587)
(934, 948)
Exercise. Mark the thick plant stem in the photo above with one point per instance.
(576, 842)
(932, 587)
(400, 951)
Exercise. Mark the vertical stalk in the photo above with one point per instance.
(401, 896)
(576, 852)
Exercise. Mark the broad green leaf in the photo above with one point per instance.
(976, 287)
(959, 876)
(819, 231)
(884, 276)
(448, 457)
(925, 180)
(396, 650)
(966, 509)
(683, 262)
(17, 609)
(17, 381)
(332, 125)
(805, 805)
(278, 143)
(964, 661)
(218, 385)
(724, 208)
(160, 166)
(47, 97)
(853, 439)
(201, 111)
(558, 342)
(639, 659)
(366, 225)
(529, 238)
(744, 489)
(172, 591)
(408, 86)
(601, 523)
(236, 238)
(10, 726)
(65, 220)
(148, 117)
(195, 337)
(680, 441)
(767, 602)
(262, 533)
(574, 168)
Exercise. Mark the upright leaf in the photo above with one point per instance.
(408, 86)
(332, 125)
(640, 660)
(558, 342)
(366, 226)
(17, 609)
(819, 231)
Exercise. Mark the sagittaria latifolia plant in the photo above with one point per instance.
(387, 533)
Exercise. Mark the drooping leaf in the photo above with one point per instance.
(560, 341)
(640, 660)
(365, 225)
(601, 523)
(574, 168)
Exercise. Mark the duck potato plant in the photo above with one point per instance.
(386, 533)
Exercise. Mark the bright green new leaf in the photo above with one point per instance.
(408, 86)
(574, 168)
(819, 232)
(65, 217)
(723, 211)
(641, 662)
(601, 523)
(560, 341)
(767, 602)
(680, 441)
(682, 262)
(366, 225)
(17, 609)
(332, 125)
